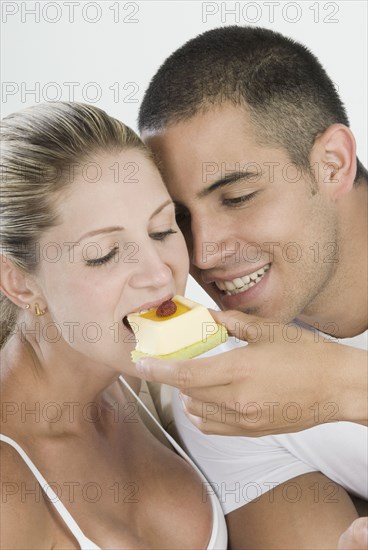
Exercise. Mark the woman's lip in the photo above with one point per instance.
(150, 305)
(144, 307)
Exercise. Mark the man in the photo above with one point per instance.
(254, 145)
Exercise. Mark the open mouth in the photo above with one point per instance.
(145, 308)
(126, 323)
(241, 284)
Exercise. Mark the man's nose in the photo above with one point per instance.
(208, 243)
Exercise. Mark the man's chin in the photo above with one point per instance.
(277, 310)
(264, 311)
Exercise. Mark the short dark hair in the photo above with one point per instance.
(283, 86)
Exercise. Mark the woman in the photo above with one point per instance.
(88, 236)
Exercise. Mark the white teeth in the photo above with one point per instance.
(229, 285)
(240, 284)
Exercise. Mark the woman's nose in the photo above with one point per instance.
(150, 271)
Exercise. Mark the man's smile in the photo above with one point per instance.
(241, 283)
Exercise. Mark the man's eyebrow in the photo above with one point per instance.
(231, 177)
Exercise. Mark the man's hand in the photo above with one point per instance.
(287, 379)
(356, 537)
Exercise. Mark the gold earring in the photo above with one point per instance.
(39, 311)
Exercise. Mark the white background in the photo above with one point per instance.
(107, 51)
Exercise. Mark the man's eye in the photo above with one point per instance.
(104, 259)
(162, 235)
(237, 201)
(182, 216)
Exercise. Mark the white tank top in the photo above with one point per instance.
(218, 539)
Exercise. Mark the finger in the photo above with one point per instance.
(229, 412)
(189, 374)
(213, 428)
(210, 394)
(242, 326)
(209, 410)
(356, 536)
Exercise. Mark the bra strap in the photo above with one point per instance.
(216, 507)
(50, 493)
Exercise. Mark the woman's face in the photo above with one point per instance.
(116, 250)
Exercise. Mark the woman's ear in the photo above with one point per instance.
(15, 283)
(333, 160)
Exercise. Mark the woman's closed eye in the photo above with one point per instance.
(113, 254)
(105, 259)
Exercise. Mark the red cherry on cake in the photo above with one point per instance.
(166, 309)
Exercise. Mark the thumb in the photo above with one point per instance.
(243, 326)
(356, 536)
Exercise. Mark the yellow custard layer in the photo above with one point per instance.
(151, 314)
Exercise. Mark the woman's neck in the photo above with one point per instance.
(55, 390)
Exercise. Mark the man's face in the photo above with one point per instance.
(260, 239)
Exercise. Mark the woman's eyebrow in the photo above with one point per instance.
(120, 228)
(99, 231)
(158, 210)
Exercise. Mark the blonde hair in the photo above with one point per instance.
(39, 145)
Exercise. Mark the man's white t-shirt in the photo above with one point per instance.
(241, 469)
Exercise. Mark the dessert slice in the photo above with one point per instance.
(177, 329)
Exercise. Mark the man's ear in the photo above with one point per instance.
(15, 283)
(333, 160)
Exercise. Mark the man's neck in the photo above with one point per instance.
(341, 308)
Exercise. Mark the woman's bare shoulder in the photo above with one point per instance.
(25, 518)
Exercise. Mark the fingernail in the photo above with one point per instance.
(365, 535)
